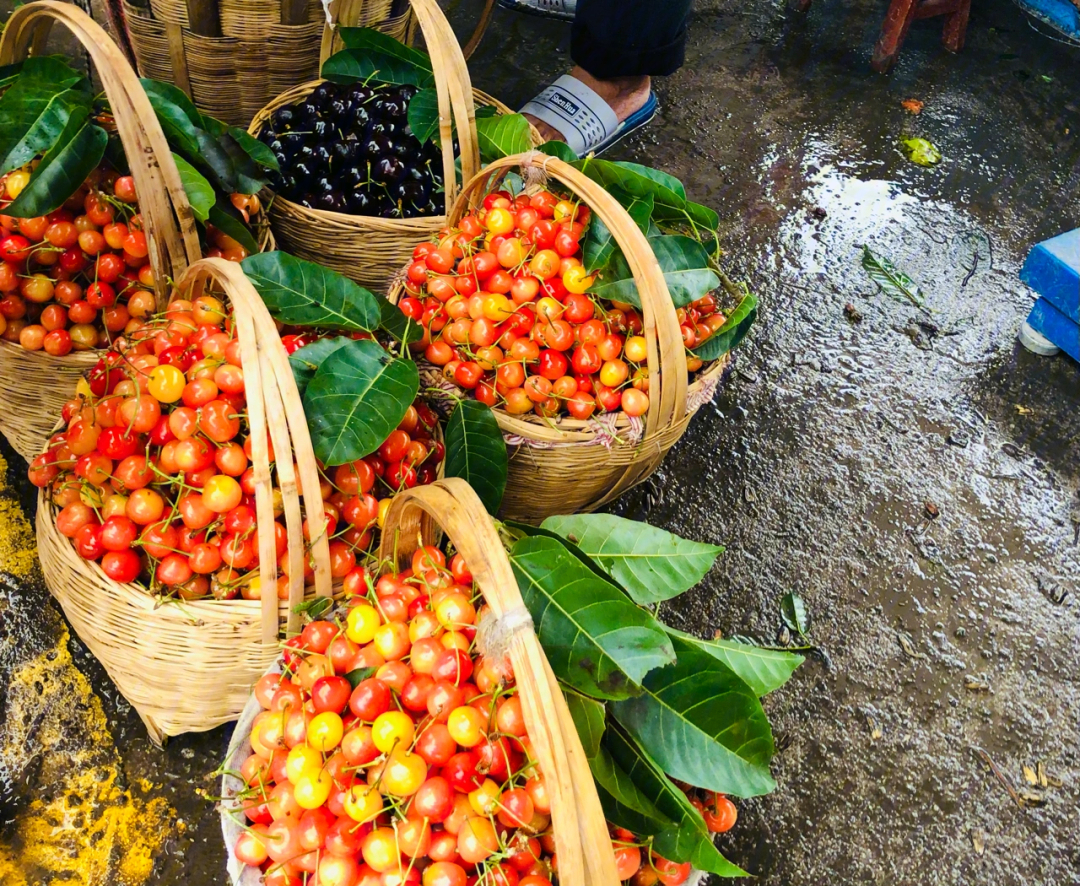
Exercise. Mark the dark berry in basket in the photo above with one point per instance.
(350, 149)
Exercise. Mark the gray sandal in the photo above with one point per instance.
(560, 9)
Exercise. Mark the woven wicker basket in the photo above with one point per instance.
(33, 385)
(582, 842)
(569, 465)
(371, 250)
(236, 57)
(220, 647)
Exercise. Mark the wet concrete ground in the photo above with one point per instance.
(814, 466)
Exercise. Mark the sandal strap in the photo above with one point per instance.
(577, 111)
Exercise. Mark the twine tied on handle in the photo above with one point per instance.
(532, 175)
(494, 633)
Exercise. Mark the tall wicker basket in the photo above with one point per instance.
(189, 666)
(371, 250)
(233, 57)
(33, 385)
(569, 465)
(418, 516)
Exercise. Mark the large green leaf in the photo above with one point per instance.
(302, 293)
(588, 562)
(732, 332)
(227, 219)
(255, 149)
(200, 192)
(702, 724)
(652, 564)
(625, 805)
(369, 39)
(596, 640)
(394, 322)
(358, 396)
(636, 180)
(476, 451)
(45, 128)
(686, 271)
(559, 149)
(423, 114)
(763, 670)
(306, 361)
(502, 135)
(588, 717)
(600, 246)
(179, 118)
(39, 83)
(890, 278)
(62, 170)
(688, 839)
(351, 65)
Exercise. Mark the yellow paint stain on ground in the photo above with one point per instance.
(18, 549)
(81, 825)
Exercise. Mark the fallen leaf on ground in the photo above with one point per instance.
(912, 105)
(1023, 410)
(921, 152)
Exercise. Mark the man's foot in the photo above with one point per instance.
(568, 116)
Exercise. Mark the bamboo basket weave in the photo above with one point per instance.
(367, 249)
(232, 59)
(220, 647)
(34, 385)
(569, 465)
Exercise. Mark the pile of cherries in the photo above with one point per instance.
(390, 752)
(80, 277)
(350, 149)
(153, 479)
(506, 310)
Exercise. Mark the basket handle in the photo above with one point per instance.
(581, 837)
(666, 354)
(274, 409)
(452, 83)
(168, 219)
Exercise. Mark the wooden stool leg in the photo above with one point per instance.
(956, 27)
(893, 31)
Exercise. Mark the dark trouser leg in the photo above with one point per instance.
(629, 38)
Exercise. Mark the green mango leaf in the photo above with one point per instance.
(637, 180)
(302, 293)
(43, 131)
(306, 361)
(625, 805)
(596, 640)
(352, 65)
(250, 177)
(794, 614)
(423, 114)
(259, 153)
(476, 451)
(377, 41)
(215, 160)
(226, 218)
(10, 73)
(702, 724)
(688, 839)
(358, 396)
(200, 192)
(36, 86)
(702, 216)
(652, 564)
(62, 170)
(396, 324)
(588, 717)
(502, 135)
(763, 670)
(559, 149)
(600, 246)
(686, 271)
(359, 675)
(734, 330)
